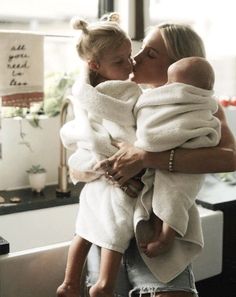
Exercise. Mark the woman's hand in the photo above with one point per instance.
(126, 163)
(132, 187)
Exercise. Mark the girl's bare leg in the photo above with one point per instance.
(109, 268)
(77, 255)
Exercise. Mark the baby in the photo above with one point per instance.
(179, 113)
(193, 71)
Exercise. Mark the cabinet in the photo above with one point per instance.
(218, 195)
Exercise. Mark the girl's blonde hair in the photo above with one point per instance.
(181, 41)
(96, 38)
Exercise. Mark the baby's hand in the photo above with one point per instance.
(160, 243)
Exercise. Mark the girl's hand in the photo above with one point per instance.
(126, 163)
(132, 187)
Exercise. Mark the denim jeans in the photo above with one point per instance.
(135, 279)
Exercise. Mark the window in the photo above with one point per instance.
(51, 17)
(213, 20)
(215, 23)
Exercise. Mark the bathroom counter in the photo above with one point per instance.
(32, 201)
(218, 195)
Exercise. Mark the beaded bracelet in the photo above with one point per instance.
(171, 161)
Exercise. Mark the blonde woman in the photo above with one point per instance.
(164, 45)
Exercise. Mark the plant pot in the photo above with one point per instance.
(37, 181)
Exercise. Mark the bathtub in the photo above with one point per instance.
(39, 242)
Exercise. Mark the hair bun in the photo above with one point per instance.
(79, 24)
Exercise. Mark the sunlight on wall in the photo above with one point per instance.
(48, 9)
(213, 20)
(52, 17)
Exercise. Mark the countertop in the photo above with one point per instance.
(217, 194)
(31, 200)
(214, 195)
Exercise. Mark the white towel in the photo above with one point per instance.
(102, 113)
(22, 68)
(174, 115)
(167, 117)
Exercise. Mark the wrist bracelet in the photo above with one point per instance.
(171, 161)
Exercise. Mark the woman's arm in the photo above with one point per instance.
(221, 158)
(129, 161)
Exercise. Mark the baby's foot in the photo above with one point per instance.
(160, 243)
(155, 248)
(65, 290)
(99, 291)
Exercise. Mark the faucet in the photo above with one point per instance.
(63, 189)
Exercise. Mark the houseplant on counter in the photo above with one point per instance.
(37, 177)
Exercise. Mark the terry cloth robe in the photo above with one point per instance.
(175, 115)
(105, 112)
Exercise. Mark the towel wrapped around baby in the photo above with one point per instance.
(175, 115)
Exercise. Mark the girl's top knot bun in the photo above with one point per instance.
(79, 24)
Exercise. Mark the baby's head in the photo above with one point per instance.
(106, 49)
(195, 71)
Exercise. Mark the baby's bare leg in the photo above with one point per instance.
(109, 268)
(162, 239)
(77, 255)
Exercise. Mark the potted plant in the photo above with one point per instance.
(37, 177)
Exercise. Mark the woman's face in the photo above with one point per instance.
(152, 61)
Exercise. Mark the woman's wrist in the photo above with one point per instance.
(156, 160)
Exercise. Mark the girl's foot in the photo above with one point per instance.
(100, 291)
(65, 290)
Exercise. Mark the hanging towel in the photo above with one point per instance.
(21, 68)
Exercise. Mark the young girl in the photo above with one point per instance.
(103, 107)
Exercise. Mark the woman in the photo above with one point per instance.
(166, 44)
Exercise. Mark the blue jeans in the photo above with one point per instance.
(136, 279)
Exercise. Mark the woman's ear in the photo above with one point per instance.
(93, 65)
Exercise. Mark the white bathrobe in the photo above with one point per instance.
(164, 117)
(103, 113)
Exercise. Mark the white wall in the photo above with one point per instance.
(17, 157)
(225, 84)
(231, 118)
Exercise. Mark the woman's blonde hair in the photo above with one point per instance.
(181, 41)
(96, 38)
